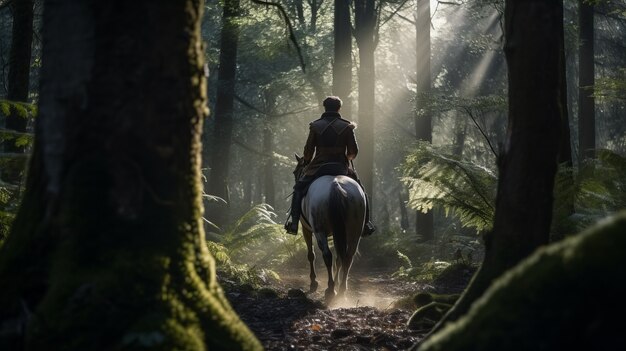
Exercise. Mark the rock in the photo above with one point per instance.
(296, 293)
(364, 339)
(422, 299)
(341, 333)
(455, 277)
(267, 293)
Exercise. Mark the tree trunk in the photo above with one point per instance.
(108, 248)
(18, 79)
(314, 9)
(460, 133)
(565, 198)
(365, 30)
(529, 162)
(300, 13)
(404, 217)
(424, 222)
(342, 63)
(586, 80)
(223, 130)
(268, 164)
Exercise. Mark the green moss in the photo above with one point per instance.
(569, 295)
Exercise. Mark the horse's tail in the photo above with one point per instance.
(338, 205)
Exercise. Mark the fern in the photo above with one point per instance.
(611, 88)
(600, 188)
(255, 239)
(10, 196)
(23, 109)
(405, 259)
(460, 188)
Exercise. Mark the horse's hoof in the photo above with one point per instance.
(313, 287)
(329, 295)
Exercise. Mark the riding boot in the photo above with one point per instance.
(369, 227)
(292, 222)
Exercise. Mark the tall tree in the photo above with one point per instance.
(564, 207)
(342, 63)
(424, 222)
(18, 77)
(365, 33)
(586, 80)
(528, 163)
(108, 248)
(224, 106)
(269, 189)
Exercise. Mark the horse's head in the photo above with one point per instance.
(299, 171)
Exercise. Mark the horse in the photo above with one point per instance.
(332, 205)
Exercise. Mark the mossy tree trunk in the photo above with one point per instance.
(566, 296)
(224, 110)
(18, 79)
(529, 161)
(108, 251)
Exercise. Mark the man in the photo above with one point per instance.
(331, 139)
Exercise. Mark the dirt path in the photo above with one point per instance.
(284, 318)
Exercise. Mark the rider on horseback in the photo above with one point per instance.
(332, 140)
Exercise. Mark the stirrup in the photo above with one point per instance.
(368, 229)
(291, 226)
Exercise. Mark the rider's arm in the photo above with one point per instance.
(352, 149)
(309, 147)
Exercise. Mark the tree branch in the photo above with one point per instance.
(394, 13)
(292, 35)
(469, 112)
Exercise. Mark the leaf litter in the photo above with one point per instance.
(294, 320)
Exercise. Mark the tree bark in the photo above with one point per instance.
(342, 63)
(564, 206)
(365, 31)
(424, 222)
(18, 79)
(586, 80)
(108, 248)
(224, 107)
(529, 162)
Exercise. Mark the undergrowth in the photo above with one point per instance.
(249, 250)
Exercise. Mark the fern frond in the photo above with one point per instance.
(23, 109)
(460, 188)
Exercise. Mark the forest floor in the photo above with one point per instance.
(284, 317)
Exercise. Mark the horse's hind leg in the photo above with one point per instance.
(308, 238)
(353, 232)
(322, 242)
(336, 267)
(342, 279)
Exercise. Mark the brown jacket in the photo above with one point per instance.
(332, 141)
